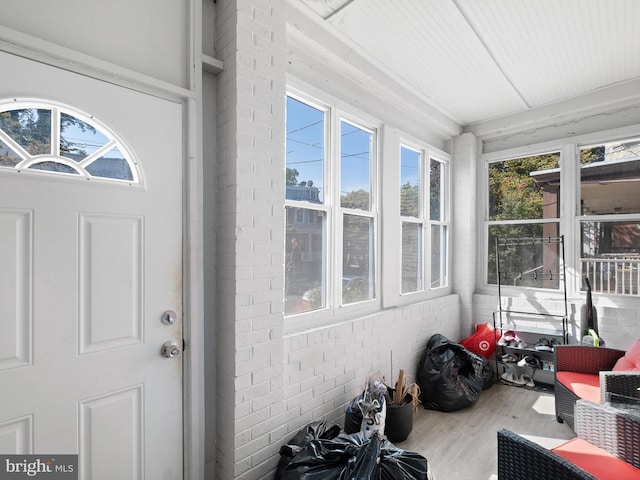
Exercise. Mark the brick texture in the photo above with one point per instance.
(249, 237)
(269, 385)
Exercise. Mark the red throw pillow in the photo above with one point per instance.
(630, 361)
(483, 342)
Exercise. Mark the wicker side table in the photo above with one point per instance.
(612, 427)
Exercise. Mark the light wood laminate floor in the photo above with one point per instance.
(462, 445)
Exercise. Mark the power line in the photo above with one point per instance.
(305, 127)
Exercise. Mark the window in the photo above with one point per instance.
(610, 216)
(422, 208)
(306, 249)
(358, 232)
(39, 137)
(524, 201)
(330, 209)
(439, 222)
(411, 212)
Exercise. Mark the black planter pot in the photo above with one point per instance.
(398, 422)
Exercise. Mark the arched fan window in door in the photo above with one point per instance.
(41, 137)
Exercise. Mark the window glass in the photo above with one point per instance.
(610, 256)
(305, 285)
(525, 188)
(609, 187)
(78, 139)
(355, 167)
(54, 167)
(439, 226)
(329, 209)
(522, 192)
(436, 190)
(412, 228)
(409, 182)
(357, 265)
(305, 145)
(439, 242)
(8, 158)
(412, 257)
(25, 142)
(28, 127)
(609, 178)
(537, 261)
(418, 219)
(111, 165)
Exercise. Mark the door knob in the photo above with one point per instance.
(170, 349)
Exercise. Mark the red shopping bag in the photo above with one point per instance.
(483, 342)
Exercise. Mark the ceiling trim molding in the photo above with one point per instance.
(605, 101)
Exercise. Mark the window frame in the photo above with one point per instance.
(444, 221)
(570, 217)
(419, 219)
(372, 213)
(608, 218)
(335, 113)
(79, 167)
(427, 154)
(385, 213)
(487, 223)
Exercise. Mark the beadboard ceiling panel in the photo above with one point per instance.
(480, 60)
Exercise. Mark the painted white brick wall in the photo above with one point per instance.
(620, 327)
(268, 386)
(326, 368)
(464, 168)
(250, 40)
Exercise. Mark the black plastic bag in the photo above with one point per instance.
(353, 417)
(313, 431)
(451, 377)
(400, 464)
(354, 457)
(334, 459)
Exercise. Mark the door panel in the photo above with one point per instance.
(111, 253)
(87, 269)
(16, 231)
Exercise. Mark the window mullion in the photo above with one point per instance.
(55, 132)
(337, 230)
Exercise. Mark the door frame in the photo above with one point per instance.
(38, 50)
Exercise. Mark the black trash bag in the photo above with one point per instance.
(483, 369)
(313, 431)
(353, 417)
(398, 464)
(365, 464)
(334, 459)
(451, 377)
(355, 457)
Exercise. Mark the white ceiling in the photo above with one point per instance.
(477, 60)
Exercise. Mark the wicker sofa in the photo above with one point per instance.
(522, 459)
(584, 372)
(607, 446)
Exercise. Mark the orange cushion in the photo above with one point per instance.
(584, 385)
(630, 361)
(596, 461)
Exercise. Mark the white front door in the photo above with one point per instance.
(88, 266)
